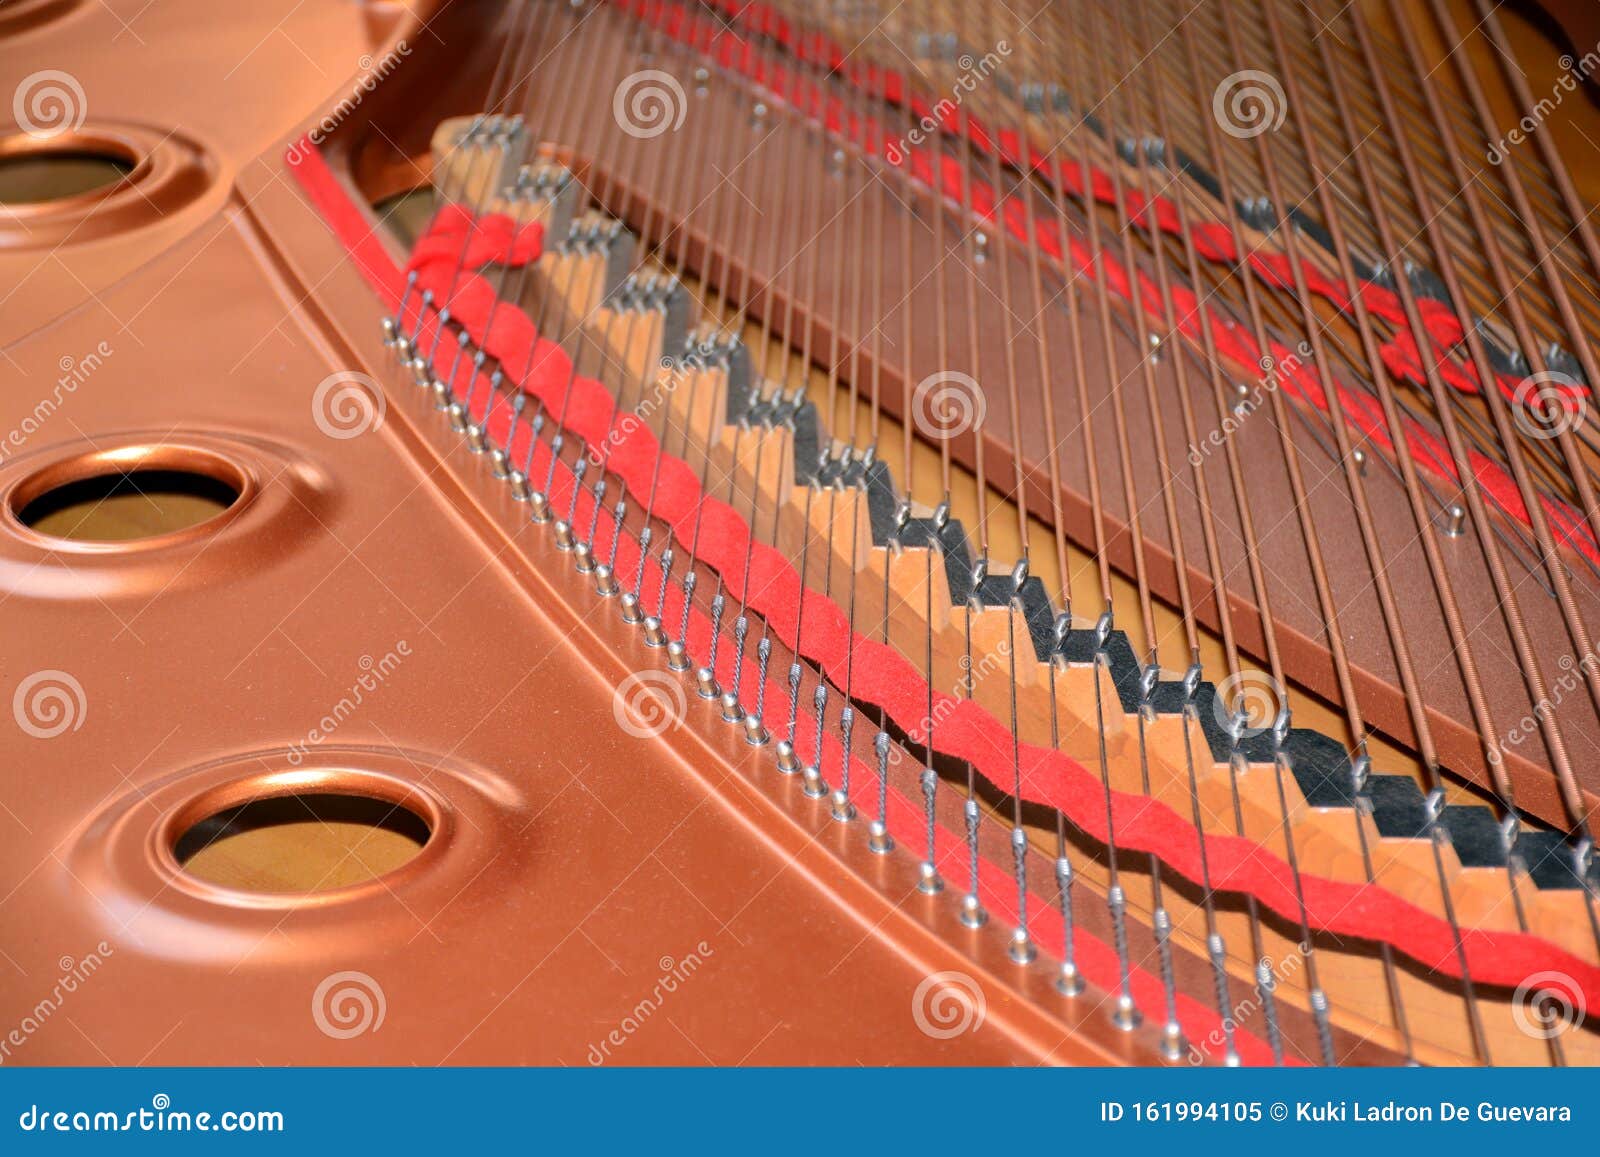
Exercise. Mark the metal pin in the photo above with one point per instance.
(1069, 981)
(583, 551)
(1127, 1015)
(1267, 983)
(658, 631)
(880, 840)
(755, 731)
(972, 913)
(1103, 628)
(478, 433)
(619, 514)
(1217, 950)
(1281, 725)
(1021, 948)
(843, 809)
(1455, 516)
(442, 394)
(422, 312)
(731, 711)
(392, 326)
(678, 649)
(815, 786)
(1172, 1042)
(539, 500)
(929, 882)
(794, 699)
(563, 527)
(1319, 1013)
(540, 507)
(631, 614)
(706, 677)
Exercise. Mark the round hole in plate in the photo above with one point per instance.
(32, 178)
(124, 505)
(309, 842)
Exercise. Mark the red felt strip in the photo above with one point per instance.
(886, 679)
